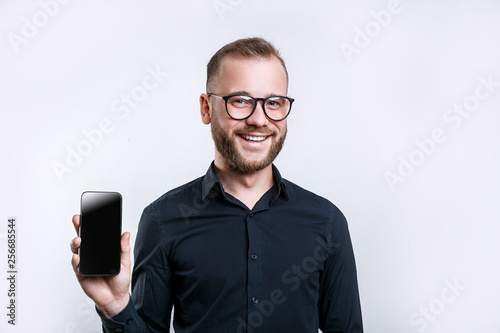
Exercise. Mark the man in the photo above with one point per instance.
(240, 249)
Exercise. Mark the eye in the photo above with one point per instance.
(241, 101)
(274, 102)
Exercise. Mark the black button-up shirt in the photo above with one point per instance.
(287, 265)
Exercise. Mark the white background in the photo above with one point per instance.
(356, 117)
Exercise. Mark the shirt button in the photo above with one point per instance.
(118, 329)
(129, 321)
(255, 300)
(254, 256)
(251, 215)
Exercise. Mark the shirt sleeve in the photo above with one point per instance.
(126, 321)
(339, 304)
(150, 306)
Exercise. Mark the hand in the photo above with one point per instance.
(110, 293)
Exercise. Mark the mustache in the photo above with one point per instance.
(255, 130)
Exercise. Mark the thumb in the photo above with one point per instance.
(125, 246)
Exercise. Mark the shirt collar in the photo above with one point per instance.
(210, 180)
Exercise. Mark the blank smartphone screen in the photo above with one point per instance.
(100, 231)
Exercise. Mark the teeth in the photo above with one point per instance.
(253, 138)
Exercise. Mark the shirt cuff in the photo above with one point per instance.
(127, 321)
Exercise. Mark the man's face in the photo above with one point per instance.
(248, 145)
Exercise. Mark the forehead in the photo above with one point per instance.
(256, 76)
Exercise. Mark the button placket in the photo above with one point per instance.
(254, 274)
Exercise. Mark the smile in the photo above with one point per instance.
(253, 138)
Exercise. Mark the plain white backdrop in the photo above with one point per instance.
(396, 121)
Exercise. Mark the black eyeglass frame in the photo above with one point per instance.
(226, 98)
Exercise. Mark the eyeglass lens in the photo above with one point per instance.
(276, 107)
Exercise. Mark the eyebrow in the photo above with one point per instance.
(243, 92)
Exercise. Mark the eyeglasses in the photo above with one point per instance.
(241, 107)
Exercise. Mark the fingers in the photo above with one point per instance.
(75, 261)
(75, 244)
(76, 224)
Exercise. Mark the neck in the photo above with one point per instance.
(248, 187)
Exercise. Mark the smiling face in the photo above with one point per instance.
(252, 144)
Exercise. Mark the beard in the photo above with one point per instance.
(233, 158)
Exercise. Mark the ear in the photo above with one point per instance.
(205, 109)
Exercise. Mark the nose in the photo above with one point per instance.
(258, 117)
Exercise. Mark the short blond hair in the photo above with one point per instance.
(247, 48)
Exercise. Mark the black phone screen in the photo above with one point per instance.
(100, 231)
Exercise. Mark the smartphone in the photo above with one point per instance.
(100, 231)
